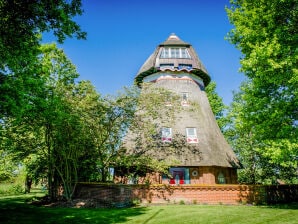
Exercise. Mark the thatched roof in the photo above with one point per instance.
(154, 62)
(212, 149)
(173, 39)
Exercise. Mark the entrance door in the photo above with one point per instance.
(178, 176)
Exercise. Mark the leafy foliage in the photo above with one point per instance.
(21, 22)
(266, 34)
(217, 105)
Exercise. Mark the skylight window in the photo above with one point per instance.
(174, 52)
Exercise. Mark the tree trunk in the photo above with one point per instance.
(28, 183)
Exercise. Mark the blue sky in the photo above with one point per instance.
(121, 35)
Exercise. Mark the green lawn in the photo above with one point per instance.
(15, 210)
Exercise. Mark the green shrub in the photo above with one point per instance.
(181, 202)
(11, 189)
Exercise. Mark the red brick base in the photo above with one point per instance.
(188, 194)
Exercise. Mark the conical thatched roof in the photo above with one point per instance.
(211, 148)
(154, 62)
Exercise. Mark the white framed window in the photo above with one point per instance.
(191, 135)
(174, 52)
(166, 134)
(184, 53)
(184, 99)
(165, 53)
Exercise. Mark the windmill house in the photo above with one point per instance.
(175, 66)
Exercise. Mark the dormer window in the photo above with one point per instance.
(166, 134)
(174, 52)
(191, 134)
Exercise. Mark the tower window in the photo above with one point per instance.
(166, 134)
(191, 135)
(174, 52)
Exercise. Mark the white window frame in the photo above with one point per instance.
(166, 134)
(191, 138)
(174, 52)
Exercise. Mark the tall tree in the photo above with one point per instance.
(106, 120)
(266, 34)
(47, 122)
(217, 105)
(21, 23)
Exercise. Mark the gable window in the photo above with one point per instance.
(184, 99)
(174, 52)
(166, 134)
(191, 135)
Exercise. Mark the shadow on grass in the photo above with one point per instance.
(16, 210)
(293, 205)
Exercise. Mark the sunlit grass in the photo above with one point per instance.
(16, 210)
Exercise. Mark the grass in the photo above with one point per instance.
(14, 209)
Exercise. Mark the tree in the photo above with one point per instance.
(104, 123)
(243, 140)
(47, 126)
(217, 105)
(21, 22)
(21, 25)
(266, 34)
(60, 123)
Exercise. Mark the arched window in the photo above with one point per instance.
(221, 178)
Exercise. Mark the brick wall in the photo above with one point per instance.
(121, 194)
(208, 194)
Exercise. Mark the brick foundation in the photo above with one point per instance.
(189, 194)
